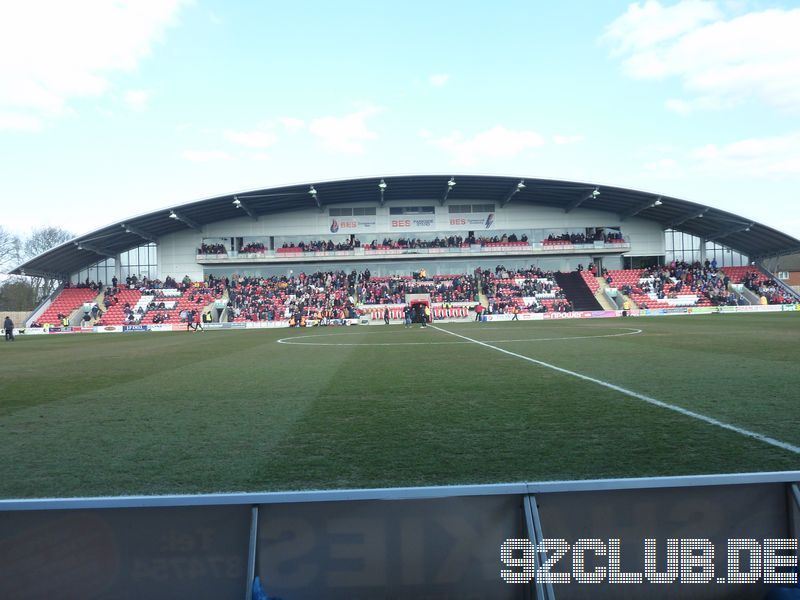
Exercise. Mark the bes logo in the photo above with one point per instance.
(401, 223)
(458, 221)
(334, 226)
(489, 220)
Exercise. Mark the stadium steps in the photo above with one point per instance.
(576, 290)
(598, 286)
(68, 302)
(223, 317)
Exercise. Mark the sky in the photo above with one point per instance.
(110, 109)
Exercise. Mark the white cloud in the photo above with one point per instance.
(497, 142)
(52, 51)
(252, 139)
(137, 99)
(438, 79)
(567, 139)
(425, 134)
(292, 124)
(345, 134)
(650, 23)
(721, 60)
(777, 155)
(204, 155)
(262, 156)
(19, 122)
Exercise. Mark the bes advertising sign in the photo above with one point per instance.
(472, 221)
(346, 225)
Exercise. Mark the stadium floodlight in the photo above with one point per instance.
(747, 229)
(80, 247)
(450, 185)
(236, 202)
(313, 192)
(172, 215)
(595, 193)
(658, 202)
(382, 187)
(521, 185)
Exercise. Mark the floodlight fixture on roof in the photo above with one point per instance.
(581, 199)
(515, 190)
(185, 220)
(239, 204)
(450, 185)
(313, 192)
(382, 187)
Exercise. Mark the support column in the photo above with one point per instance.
(702, 250)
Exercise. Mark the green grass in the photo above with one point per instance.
(147, 413)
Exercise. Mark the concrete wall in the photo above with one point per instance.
(17, 316)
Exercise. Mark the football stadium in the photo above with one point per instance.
(362, 387)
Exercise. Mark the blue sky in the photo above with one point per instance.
(113, 109)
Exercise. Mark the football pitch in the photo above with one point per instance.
(377, 406)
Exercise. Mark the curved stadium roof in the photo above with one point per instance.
(741, 234)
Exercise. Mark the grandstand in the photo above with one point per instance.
(265, 246)
(193, 462)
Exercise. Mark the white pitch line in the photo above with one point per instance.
(291, 341)
(689, 413)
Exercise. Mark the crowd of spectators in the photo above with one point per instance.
(767, 289)
(450, 241)
(584, 238)
(523, 290)
(682, 278)
(211, 249)
(324, 295)
(323, 246)
(253, 248)
(393, 289)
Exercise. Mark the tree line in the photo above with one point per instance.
(25, 293)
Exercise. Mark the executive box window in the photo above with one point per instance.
(470, 208)
(412, 210)
(359, 211)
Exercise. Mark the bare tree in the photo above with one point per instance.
(9, 250)
(39, 241)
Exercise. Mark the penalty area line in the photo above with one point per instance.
(683, 411)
